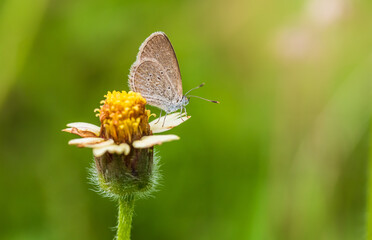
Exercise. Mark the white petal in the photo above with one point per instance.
(113, 148)
(82, 142)
(119, 149)
(101, 144)
(149, 141)
(97, 152)
(171, 121)
(82, 126)
(81, 133)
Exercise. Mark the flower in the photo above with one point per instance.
(124, 125)
(123, 145)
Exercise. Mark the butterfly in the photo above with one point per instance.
(156, 75)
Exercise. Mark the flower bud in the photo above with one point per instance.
(120, 175)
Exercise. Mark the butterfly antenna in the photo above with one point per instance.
(204, 99)
(201, 85)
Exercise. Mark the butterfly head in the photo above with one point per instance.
(185, 100)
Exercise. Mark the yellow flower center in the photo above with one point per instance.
(124, 117)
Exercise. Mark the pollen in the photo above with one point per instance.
(124, 117)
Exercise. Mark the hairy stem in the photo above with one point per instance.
(126, 207)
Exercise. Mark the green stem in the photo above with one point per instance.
(126, 207)
(369, 192)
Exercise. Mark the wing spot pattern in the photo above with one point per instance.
(154, 86)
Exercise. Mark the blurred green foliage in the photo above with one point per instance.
(284, 156)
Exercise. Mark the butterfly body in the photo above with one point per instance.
(177, 105)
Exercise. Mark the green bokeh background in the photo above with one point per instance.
(284, 156)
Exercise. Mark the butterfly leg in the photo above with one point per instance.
(164, 119)
(159, 117)
(181, 114)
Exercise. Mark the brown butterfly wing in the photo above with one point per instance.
(157, 47)
(149, 79)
